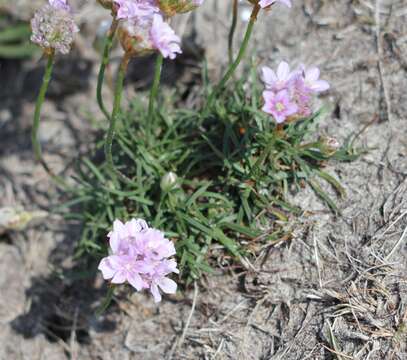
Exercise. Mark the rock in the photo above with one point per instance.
(12, 276)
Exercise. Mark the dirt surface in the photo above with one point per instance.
(338, 289)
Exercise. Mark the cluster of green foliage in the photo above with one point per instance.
(234, 169)
(15, 39)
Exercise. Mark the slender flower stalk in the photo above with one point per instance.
(154, 90)
(232, 29)
(37, 114)
(103, 65)
(106, 301)
(37, 117)
(232, 67)
(113, 119)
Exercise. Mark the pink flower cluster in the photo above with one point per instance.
(288, 94)
(140, 255)
(144, 22)
(60, 4)
(53, 27)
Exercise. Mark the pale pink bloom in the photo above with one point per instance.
(164, 38)
(280, 80)
(312, 81)
(138, 11)
(158, 279)
(265, 3)
(53, 28)
(299, 86)
(60, 4)
(301, 96)
(140, 256)
(122, 268)
(279, 105)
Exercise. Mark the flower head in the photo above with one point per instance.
(287, 90)
(60, 4)
(277, 80)
(279, 105)
(140, 256)
(53, 27)
(137, 11)
(164, 38)
(140, 37)
(311, 79)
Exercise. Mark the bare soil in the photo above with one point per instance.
(337, 290)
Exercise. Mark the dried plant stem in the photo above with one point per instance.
(103, 65)
(232, 29)
(242, 51)
(37, 117)
(154, 91)
(113, 120)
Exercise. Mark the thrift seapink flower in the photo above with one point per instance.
(279, 105)
(140, 255)
(60, 4)
(53, 27)
(277, 81)
(164, 38)
(137, 11)
(311, 79)
(140, 38)
(287, 90)
(265, 3)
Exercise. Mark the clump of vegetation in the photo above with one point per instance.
(208, 178)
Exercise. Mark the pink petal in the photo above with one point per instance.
(172, 266)
(266, 108)
(118, 226)
(135, 226)
(283, 71)
(114, 242)
(320, 86)
(268, 95)
(312, 74)
(106, 268)
(269, 77)
(279, 118)
(265, 3)
(291, 109)
(167, 285)
(136, 281)
(286, 2)
(168, 249)
(119, 277)
(282, 96)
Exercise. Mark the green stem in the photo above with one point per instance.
(106, 301)
(103, 65)
(232, 30)
(154, 91)
(263, 156)
(37, 117)
(113, 119)
(242, 51)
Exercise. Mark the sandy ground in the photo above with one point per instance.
(338, 290)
